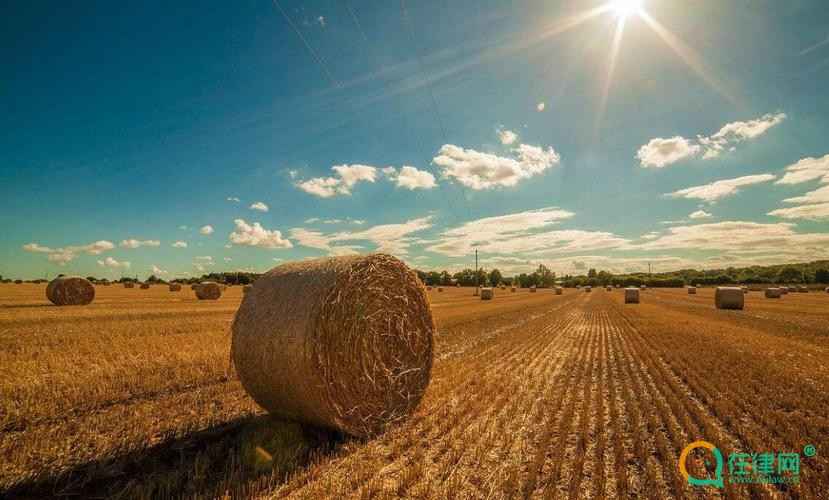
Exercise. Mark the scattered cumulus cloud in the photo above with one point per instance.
(158, 271)
(341, 183)
(720, 189)
(479, 171)
(113, 264)
(179, 244)
(260, 206)
(233, 199)
(64, 255)
(507, 137)
(661, 152)
(540, 107)
(206, 230)
(321, 21)
(133, 243)
(389, 238)
(815, 212)
(700, 214)
(807, 169)
(410, 178)
(254, 235)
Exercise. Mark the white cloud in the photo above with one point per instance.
(204, 258)
(206, 230)
(312, 220)
(410, 178)
(477, 170)
(507, 137)
(158, 271)
(820, 195)
(233, 199)
(113, 264)
(819, 211)
(183, 227)
(700, 214)
(388, 238)
(661, 152)
(179, 244)
(133, 243)
(720, 189)
(737, 236)
(67, 254)
(321, 21)
(540, 106)
(228, 259)
(262, 207)
(739, 131)
(807, 169)
(254, 235)
(346, 176)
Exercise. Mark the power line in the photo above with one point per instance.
(318, 58)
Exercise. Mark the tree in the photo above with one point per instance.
(822, 276)
(544, 277)
(790, 274)
(495, 277)
(591, 273)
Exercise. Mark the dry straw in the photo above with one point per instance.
(692, 290)
(773, 293)
(729, 297)
(208, 290)
(631, 295)
(70, 291)
(343, 342)
(487, 293)
(175, 287)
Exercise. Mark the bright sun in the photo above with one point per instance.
(625, 8)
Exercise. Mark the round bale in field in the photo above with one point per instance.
(343, 342)
(729, 297)
(440, 288)
(803, 289)
(129, 284)
(773, 293)
(145, 286)
(208, 290)
(692, 290)
(608, 288)
(175, 287)
(588, 289)
(512, 289)
(532, 289)
(784, 290)
(70, 291)
(631, 295)
(487, 293)
(559, 290)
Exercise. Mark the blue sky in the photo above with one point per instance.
(537, 132)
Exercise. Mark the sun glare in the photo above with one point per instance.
(625, 8)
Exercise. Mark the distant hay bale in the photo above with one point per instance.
(343, 342)
(457, 285)
(129, 284)
(145, 286)
(208, 290)
(532, 289)
(487, 294)
(559, 290)
(608, 288)
(588, 289)
(643, 287)
(175, 287)
(512, 289)
(729, 297)
(784, 290)
(826, 289)
(440, 289)
(18, 282)
(803, 289)
(692, 290)
(631, 295)
(773, 293)
(70, 291)
(429, 288)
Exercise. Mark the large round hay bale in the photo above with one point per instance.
(487, 294)
(692, 290)
(129, 284)
(826, 289)
(631, 295)
(343, 342)
(559, 290)
(70, 291)
(208, 290)
(773, 293)
(784, 290)
(145, 286)
(175, 287)
(729, 297)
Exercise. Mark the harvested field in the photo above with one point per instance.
(532, 395)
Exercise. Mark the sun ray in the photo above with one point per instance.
(690, 57)
(611, 67)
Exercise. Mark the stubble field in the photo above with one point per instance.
(532, 395)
